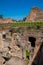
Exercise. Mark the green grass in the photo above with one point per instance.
(21, 24)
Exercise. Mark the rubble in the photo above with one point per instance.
(13, 48)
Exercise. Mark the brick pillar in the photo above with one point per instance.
(13, 41)
(1, 41)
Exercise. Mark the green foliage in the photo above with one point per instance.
(24, 19)
(1, 16)
(21, 24)
(27, 53)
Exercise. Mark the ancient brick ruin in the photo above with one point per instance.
(36, 14)
(21, 43)
(17, 43)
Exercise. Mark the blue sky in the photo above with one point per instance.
(18, 9)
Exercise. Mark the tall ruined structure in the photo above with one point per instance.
(35, 15)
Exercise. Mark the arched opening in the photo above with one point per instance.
(4, 36)
(32, 40)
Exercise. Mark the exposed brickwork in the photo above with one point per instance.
(35, 15)
(6, 20)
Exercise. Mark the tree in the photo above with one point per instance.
(24, 19)
(1, 16)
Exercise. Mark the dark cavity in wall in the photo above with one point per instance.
(32, 40)
(4, 36)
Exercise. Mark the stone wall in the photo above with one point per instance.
(36, 14)
(19, 43)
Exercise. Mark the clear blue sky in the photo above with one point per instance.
(18, 9)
